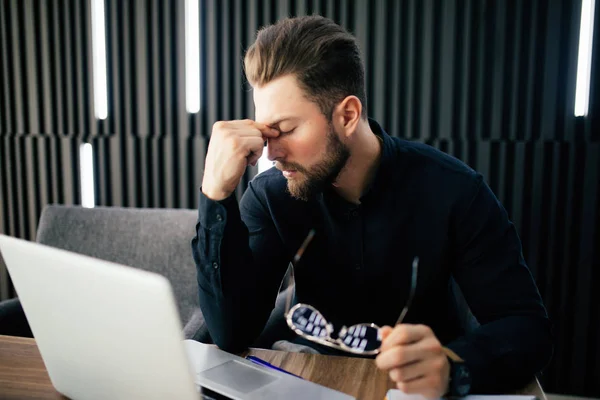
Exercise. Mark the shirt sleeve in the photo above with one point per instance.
(514, 340)
(240, 265)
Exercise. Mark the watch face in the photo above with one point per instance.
(461, 381)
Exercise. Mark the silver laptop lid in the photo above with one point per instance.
(103, 330)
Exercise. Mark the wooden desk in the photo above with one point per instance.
(23, 374)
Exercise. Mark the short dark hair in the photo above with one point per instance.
(322, 55)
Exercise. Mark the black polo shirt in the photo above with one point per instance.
(357, 269)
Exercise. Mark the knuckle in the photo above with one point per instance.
(219, 125)
(403, 335)
(434, 381)
(434, 346)
(402, 386)
(438, 363)
(396, 375)
(398, 356)
(235, 143)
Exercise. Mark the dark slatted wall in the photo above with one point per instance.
(491, 82)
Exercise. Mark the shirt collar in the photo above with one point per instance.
(385, 158)
(381, 175)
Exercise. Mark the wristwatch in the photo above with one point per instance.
(460, 377)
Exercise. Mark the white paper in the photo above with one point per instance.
(396, 394)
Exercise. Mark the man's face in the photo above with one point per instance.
(308, 151)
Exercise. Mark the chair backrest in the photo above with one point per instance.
(156, 240)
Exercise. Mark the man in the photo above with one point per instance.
(375, 202)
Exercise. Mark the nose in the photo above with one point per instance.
(275, 150)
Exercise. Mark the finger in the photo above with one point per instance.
(251, 144)
(414, 370)
(398, 356)
(385, 331)
(266, 130)
(405, 334)
(248, 127)
(253, 158)
(253, 147)
(429, 386)
(243, 129)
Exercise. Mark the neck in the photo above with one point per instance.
(359, 171)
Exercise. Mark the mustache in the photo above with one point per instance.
(282, 166)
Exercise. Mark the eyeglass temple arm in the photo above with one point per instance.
(413, 288)
(288, 300)
(295, 260)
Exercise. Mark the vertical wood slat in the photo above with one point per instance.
(447, 36)
(154, 49)
(224, 75)
(497, 126)
(514, 45)
(239, 20)
(142, 81)
(378, 44)
(5, 188)
(16, 54)
(81, 128)
(5, 110)
(29, 186)
(211, 67)
(183, 173)
(531, 73)
(31, 94)
(67, 69)
(3, 208)
(10, 213)
(54, 166)
(464, 73)
(19, 197)
(58, 47)
(410, 40)
(393, 70)
(45, 61)
(426, 67)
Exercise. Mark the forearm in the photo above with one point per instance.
(234, 293)
(514, 341)
(233, 321)
(505, 355)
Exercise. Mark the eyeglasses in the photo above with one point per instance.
(307, 322)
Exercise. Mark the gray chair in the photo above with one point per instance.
(156, 240)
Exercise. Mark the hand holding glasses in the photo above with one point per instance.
(307, 322)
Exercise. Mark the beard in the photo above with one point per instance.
(312, 180)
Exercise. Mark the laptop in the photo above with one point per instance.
(107, 331)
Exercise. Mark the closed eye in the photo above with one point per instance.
(287, 132)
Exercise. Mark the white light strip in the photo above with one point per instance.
(99, 59)
(86, 172)
(192, 56)
(584, 61)
(263, 162)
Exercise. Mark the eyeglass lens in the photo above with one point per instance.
(361, 337)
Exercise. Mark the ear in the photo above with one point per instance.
(346, 115)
